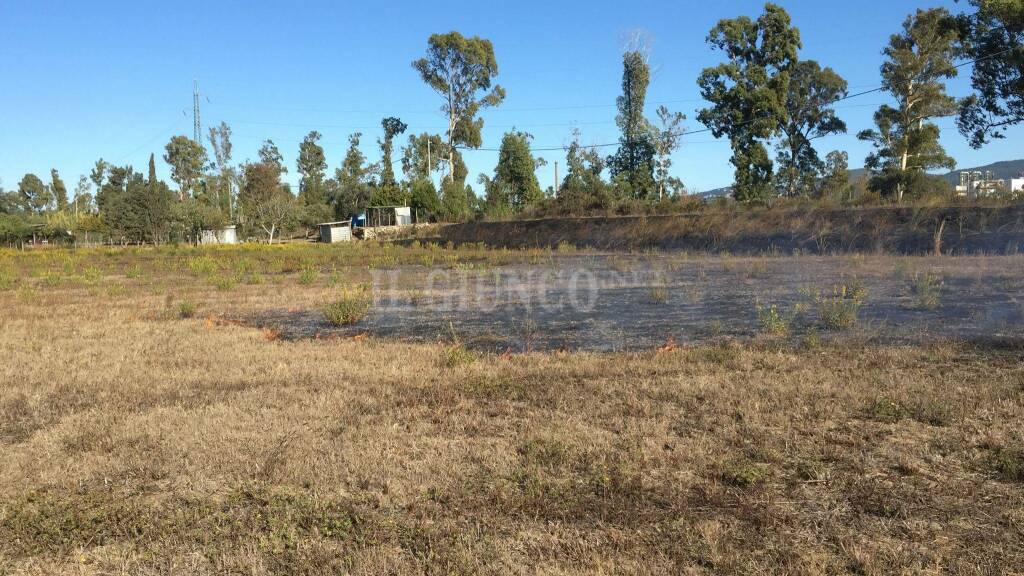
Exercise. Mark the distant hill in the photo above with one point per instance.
(1001, 170)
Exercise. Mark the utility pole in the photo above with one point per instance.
(196, 128)
(429, 175)
(556, 178)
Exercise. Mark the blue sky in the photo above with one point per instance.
(81, 80)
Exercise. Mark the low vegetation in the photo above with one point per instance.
(925, 289)
(231, 451)
(351, 308)
(838, 309)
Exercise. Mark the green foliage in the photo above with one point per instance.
(748, 92)
(354, 190)
(423, 199)
(312, 165)
(35, 196)
(771, 321)
(186, 309)
(422, 156)
(917, 63)
(887, 410)
(456, 201)
(14, 229)
(810, 94)
(348, 310)
(308, 276)
(666, 138)
(1006, 462)
(136, 210)
(840, 308)
(582, 189)
(835, 180)
(458, 355)
(270, 154)
(187, 159)
(925, 289)
(58, 190)
(220, 186)
(460, 70)
(225, 282)
(392, 127)
(995, 36)
(192, 216)
(514, 186)
(632, 166)
(269, 206)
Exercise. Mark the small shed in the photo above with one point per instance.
(225, 235)
(332, 232)
(381, 216)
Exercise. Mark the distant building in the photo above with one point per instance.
(225, 235)
(1017, 184)
(378, 216)
(334, 232)
(977, 184)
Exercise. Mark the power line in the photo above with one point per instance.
(743, 123)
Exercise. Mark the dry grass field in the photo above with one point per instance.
(145, 431)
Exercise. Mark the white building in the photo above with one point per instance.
(225, 235)
(1017, 184)
(979, 184)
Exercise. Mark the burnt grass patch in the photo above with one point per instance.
(604, 303)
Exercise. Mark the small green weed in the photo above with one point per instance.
(771, 321)
(308, 276)
(925, 289)
(350, 309)
(186, 309)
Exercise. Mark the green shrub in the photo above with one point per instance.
(348, 310)
(186, 309)
(7, 280)
(201, 265)
(225, 282)
(771, 321)
(887, 410)
(840, 309)
(925, 289)
(1007, 463)
(308, 276)
(457, 355)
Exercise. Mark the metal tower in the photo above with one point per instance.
(196, 125)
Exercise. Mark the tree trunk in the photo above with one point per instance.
(451, 148)
(903, 170)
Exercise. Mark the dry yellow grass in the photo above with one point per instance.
(137, 442)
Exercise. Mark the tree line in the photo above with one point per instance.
(762, 97)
